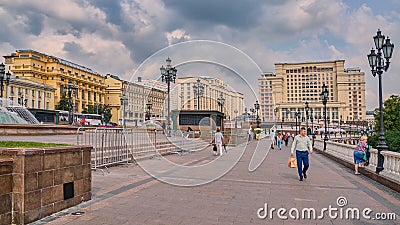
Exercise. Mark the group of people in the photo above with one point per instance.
(279, 138)
(302, 147)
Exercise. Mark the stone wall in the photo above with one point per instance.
(36, 129)
(6, 169)
(48, 180)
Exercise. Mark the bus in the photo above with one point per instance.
(88, 119)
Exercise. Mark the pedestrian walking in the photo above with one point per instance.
(302, 146)
(279, 140)
(272, 137)
(358, 154)
(250, 133)
(219, 139)
(286, 139)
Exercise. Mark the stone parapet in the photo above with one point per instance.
(6, 187)
(35, 129)
(48, 180)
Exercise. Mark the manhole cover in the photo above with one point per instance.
(77, 213)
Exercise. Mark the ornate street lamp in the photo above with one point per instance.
(149, 105)
(324, 96)
(275, 113)
(235, 111)
(378, 65)
(4, 77)
(252, 110)
(257, 107)
(168, 75)
(198, 89)
(340, 126)
(71, 88)
(221, 102)
(307, 109)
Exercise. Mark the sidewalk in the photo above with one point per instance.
(127, 195)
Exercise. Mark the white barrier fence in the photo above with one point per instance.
(391, 163)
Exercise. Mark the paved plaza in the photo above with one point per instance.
(127, 195)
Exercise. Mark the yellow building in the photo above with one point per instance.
(29, 93)
(56, 73)
(293, 84)
(137, 95)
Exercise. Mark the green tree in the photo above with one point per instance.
(391, 123)
(99, 109)
(63, 103)
(391, 114)
(392, 139)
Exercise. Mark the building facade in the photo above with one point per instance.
(294, 84)
(184, 96)
(29, 93)
(58, 73)
(137, 94)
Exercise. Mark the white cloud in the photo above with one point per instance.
(177, 36)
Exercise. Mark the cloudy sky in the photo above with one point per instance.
(117, 36)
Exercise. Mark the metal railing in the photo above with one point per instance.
(113, 146)
(116, 145)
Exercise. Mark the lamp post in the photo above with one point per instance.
(221, 103)
(168, 75)
(235, 111)
(378, 66)
(287, 115)
(123, 103)
(307, 109)
(257, 107)
(252, 113)
(275, 112)
(297, 115)
(4, 77)
(71, 88)
(149, 105)
(198, 89)
(312, 126)
(324, 97)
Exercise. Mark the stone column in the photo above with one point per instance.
(43, 100)
(37, 99)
